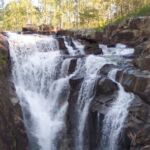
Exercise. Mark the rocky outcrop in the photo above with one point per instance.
(29, 29)
(134, 32)
(84, 34)
(92, 48)
(62, 45)
(136, 81)
(136, 128)
(13, 135)
(42, 29)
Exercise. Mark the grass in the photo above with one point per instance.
(143, 11)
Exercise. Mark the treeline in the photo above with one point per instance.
(66, 13)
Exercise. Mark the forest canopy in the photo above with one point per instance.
(66, 13)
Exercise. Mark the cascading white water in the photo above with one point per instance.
(36, 69)
(120, 50)
(86, 94)
(40, 76)
(78, 48)
(115, 117)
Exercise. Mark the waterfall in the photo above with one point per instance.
(86, 95)
(42, 87)
(40, 73)
(115, 117)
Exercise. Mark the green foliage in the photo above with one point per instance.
(143, 11)
(17, 14)
(88, 15)
(69, 14)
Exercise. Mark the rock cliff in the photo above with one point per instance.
(12, 131)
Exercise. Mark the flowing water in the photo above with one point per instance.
(86, 95)
(115, 117)
(42, 92)
(41, 79)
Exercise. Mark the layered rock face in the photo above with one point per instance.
(13, 135)
(135, 33)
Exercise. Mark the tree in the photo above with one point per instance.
(17, 15)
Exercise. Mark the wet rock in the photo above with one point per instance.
(72, 66)
(75, 84)
(106, 69)
(105, 93)
(13, 135)
(106, 86)
(62, 45)
(102, 103)
(70, 42)
(74, 57)
(92, 49)
(135, 81)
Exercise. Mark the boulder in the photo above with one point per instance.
(105, 93)
(92, 49)
(106, 69)
(106, 86)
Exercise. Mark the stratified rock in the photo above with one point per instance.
(125, 36)
(143, 63)
(136, 127)
(13, 135)
(89, 35)
(62, 45)
(136, 82)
